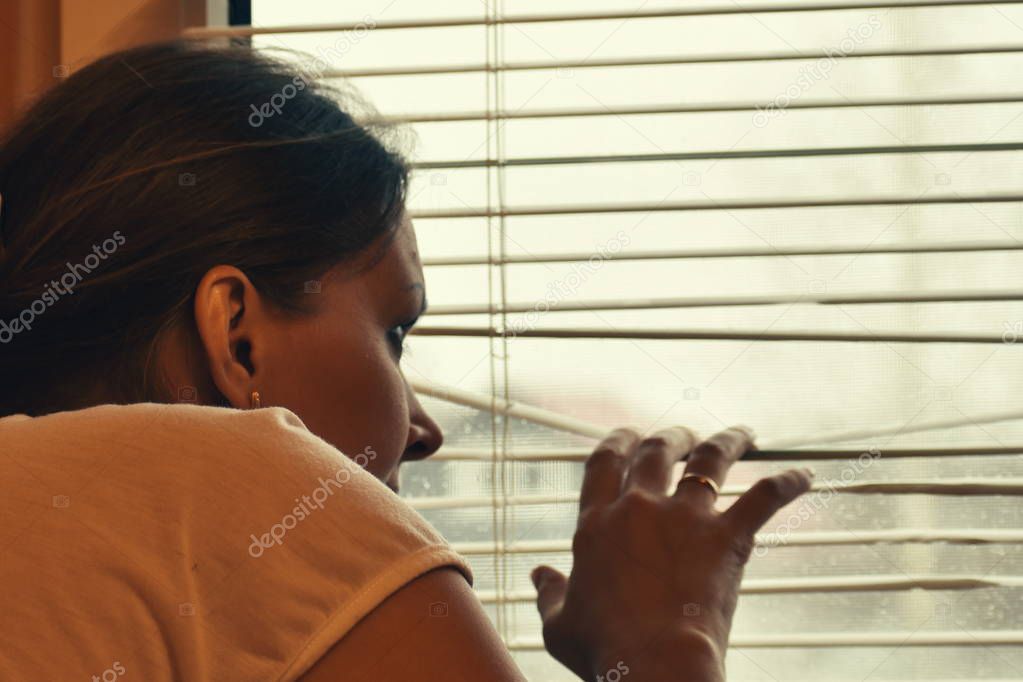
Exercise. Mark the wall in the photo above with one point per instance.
(43, 40)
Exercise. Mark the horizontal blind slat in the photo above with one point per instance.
(965, 638)
(957, 487)
(690, 108)
(711, 205)
(468, 454)
(866, 298)
(869, 583)
(801, 539)
(737, 252)
(648, 334)
(721, 155)
(728, 58)
(706, 10)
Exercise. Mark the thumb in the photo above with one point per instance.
(550, 590)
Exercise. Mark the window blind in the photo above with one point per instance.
(803, 216)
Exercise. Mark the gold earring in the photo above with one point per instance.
(254, 400)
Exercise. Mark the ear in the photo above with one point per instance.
(233, 329)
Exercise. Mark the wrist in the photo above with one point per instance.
(702, 654)
(688, 654)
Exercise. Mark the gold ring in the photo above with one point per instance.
(700, 478)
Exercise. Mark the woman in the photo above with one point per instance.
(198, 316)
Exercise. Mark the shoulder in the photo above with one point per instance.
(188, 446)
(228, 517)
(432, 628)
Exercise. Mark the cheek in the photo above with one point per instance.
(385, 412)
(353, 398)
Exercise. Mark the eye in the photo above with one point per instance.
(397, 335)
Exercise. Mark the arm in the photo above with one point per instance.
(401, 640)
(680, 655)
(652, 591)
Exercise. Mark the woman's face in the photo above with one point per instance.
(337, 369)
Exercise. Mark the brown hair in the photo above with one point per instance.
(125, 184)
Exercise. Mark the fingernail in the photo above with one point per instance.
(534, 575)
(749, 431)
(810, 472)
(683, 431)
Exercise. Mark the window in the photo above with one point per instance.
(805, 217)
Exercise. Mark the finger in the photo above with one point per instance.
(605, 469)
(712, 459)
(550, 590)
(756, 507)
(655, 457)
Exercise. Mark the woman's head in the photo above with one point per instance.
(161, 245)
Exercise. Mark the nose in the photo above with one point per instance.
(425, 436)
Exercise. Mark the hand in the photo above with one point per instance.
(655, 576)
